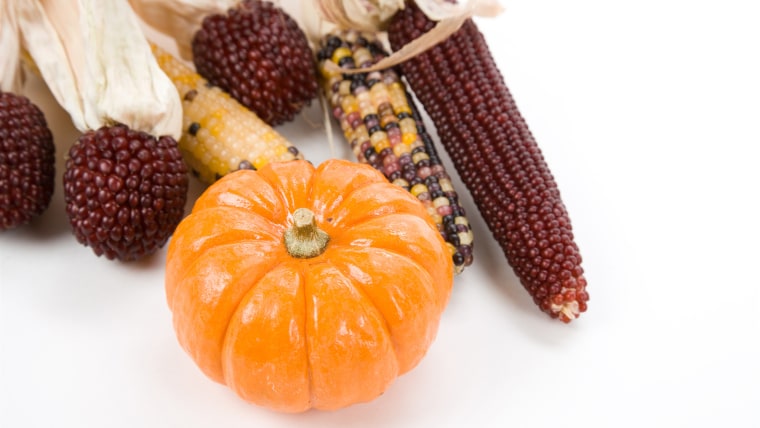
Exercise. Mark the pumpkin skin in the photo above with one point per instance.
(297, 333)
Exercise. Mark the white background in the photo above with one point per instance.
(648, 114)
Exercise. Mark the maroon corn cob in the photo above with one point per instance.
(258, 54)
(497, 158)
(27, 161)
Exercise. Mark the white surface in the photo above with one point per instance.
(647, 113)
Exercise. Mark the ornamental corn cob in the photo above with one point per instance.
(219, 134)
(27, 161)
(498, 159)
(384, 130)
(259, 55)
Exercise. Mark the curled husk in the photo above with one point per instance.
(98, 65)
(179, 19)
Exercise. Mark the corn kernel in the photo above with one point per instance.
(409, 138)
(419, 156)
(418, 188)
(400, 149)
(340, 53)
(440, 201)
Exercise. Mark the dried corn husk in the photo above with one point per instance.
(11, 75)
(179, 19)
(98, 65)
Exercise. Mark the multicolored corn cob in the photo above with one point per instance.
(219, 134)
(463, 91)
(384, 129)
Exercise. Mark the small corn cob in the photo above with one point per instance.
(219, 134)
(462, 90)
(259, 55)
(27, 161)
(384, 130)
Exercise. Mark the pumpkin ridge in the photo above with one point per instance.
(196, 260)
(273, 175)
(360, 288)
(342, 244)
(192, 347)
(311, 352)
(233, 207)
(344, 263)
(348, 239)
(325, 203)
(302, 272)
(255, 192)
(410, 205)
(226, 336)
(230, 234)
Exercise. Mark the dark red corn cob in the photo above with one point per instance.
(496, 156)
(125, 191)
(259, 55)
(27, 161)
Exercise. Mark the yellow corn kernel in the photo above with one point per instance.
(380, 94)
(378, 137)
(381, 144)
(419, 156)
(418, 189)
(452, 248)
(349, 104)
(408, 139)
(340, 53)
(401, 149)
(361, 56)
(465, 238)
(407, 126)
(344, 88)
(401, 183)
(446, 185)
(437, 218)
(440, 201)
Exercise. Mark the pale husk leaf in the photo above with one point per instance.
(179, 19)
(97, 63)
(11, 75)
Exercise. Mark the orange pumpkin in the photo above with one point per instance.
(303, 287)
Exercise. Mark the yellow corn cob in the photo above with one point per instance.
(219, 134)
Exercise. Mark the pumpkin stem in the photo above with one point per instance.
(305, 240)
